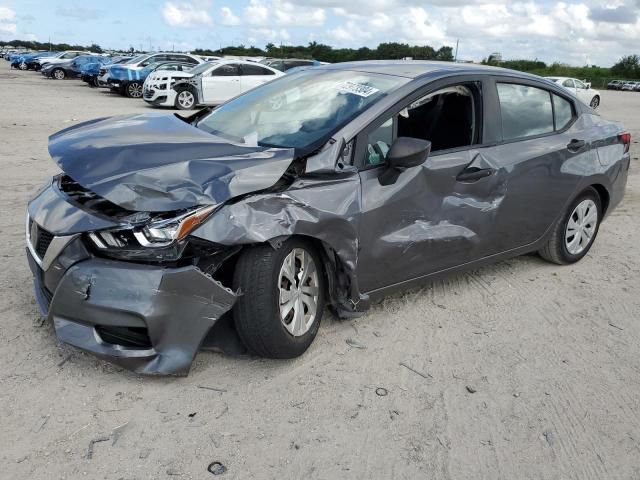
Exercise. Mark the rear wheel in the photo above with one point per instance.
(185, 100)
(282, 301)
(575, 232)
(595, 102)
(59, 74)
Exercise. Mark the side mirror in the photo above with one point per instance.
(407, 152)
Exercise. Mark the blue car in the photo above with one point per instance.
(70, 68)
(90, 72)
(129, 82)
(27, 61)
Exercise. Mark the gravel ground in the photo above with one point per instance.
(551, 353)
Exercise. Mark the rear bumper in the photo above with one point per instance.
(148, 319)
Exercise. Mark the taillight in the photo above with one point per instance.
(625, 138)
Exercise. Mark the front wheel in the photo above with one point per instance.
(282, 298)
(595, 102)
(59, 74)
(133, 90)
(575, 232)
(185, 100)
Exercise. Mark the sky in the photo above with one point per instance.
(577, 32)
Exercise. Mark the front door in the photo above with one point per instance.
(435, 216)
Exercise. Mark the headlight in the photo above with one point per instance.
(154, 238)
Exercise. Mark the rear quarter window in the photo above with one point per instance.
(563, 111)
(526, 111)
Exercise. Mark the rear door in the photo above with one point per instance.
(252, 76)
(221, 84)
(542, 142)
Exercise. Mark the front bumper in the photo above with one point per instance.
(147, 318)
(159, 97)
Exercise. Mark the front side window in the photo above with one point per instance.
(579, 84)
(526, 111)
(226, 71)
(300, 111)
(446, 118)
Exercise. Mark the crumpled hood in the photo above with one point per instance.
(158, 162)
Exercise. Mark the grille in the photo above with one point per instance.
(149, 93)
(128, 337)
(40, 239)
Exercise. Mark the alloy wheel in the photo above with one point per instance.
(186, 99)
(134, 90)
(595, 102)
(22, 66)
(299, 289)
(58, 74)
(581, 227)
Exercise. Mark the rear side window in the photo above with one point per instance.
(563, 111)
(526, 111)
(255, 70)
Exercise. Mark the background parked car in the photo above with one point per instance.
(59, 58)
(26, 61)
(615, 84)
(130, 82)
(630, 86)
(90, 72)
(70, 68)
(580, 89)
(157, 89)
(216, 82)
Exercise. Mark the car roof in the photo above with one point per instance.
(420, 68)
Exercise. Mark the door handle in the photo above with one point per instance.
(473, 174)
(575, 145)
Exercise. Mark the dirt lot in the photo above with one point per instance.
(552, 352)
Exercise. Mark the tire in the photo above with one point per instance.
(58, 74)
(257, 313)
(595, 102)
(133, 90)
(185, 100)
(22, 66)
(564, 249)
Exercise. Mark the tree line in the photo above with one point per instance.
(326, 53)
(628, 67)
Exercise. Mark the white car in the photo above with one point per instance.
(59, 58)
(630, 86)
(210, 83)
(580, 89)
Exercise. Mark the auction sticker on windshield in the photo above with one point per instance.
(357, 89)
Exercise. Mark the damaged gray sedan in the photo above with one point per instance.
(235, 228)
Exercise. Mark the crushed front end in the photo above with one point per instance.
(125, 286)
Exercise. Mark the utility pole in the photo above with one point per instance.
(456, 56)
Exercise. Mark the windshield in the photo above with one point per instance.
(137, 59)
(203, 67)
(300, 110)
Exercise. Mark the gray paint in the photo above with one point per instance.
(375, 237)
